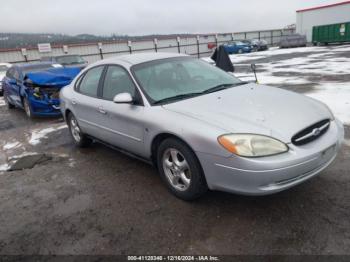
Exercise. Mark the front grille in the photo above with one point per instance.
(311, 133)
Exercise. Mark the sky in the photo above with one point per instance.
(141, 17)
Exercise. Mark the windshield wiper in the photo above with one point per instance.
(210, 90)
(178, 97)
(221, 87)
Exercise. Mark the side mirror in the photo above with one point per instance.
(123, 98)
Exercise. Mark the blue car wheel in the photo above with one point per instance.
(7, 102)
(27, 108)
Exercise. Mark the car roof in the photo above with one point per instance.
(139, 58)
(32, 65)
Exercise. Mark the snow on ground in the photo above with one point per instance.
(37, 135)
(309, 61)
(4, 167)
(274, 51)
(2, 101)
(11, 145)
(22, 155)
(336, 96)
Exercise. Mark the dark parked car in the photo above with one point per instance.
(66, 60)
(257, 45)
(3, 68)
(237, 47)
(295, 40)
(35, 87)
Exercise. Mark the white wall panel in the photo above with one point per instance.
(324, 16)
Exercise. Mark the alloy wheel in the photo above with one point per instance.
(75, 130)
(27, 108)
(176, 169)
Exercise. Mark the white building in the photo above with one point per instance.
(321, 15)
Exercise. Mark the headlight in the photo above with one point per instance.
(248, 145)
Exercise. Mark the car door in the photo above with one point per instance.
(85, 101)
(14, 86)
(122, 122)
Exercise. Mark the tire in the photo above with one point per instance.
(27, 108)
(240, 51)
(80, 140)
(7, 102)
(184, 176)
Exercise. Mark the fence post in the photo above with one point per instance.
(178, 39)
(272, 38)
(198, 46)
(130, 47)
(245, 35)
(232, 36)
(216, 40)
(65, 49)
(155, 44)
(259, 35)
(100, 49)
(24, 53)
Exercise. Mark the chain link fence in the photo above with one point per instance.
(199, 46)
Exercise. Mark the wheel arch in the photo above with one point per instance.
(66, 113)
(159, 138)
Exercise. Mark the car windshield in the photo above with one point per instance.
(173, 79)
(70, 60)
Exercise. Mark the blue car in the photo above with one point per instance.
(237, 48)
(35, 87)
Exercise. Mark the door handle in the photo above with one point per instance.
(101, 110)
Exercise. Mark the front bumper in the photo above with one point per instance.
(267, 175)
(46, 107)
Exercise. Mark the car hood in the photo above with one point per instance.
(256, 109)
(58, 77)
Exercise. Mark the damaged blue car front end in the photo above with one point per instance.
(42, 89)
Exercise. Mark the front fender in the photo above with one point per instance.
(199, 135)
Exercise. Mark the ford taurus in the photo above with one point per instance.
(201, 127)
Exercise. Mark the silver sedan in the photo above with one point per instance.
(200, 126)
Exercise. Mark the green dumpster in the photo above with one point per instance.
(334, 33)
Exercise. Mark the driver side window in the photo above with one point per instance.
(117, 80)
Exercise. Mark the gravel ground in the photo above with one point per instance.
(99, 201)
